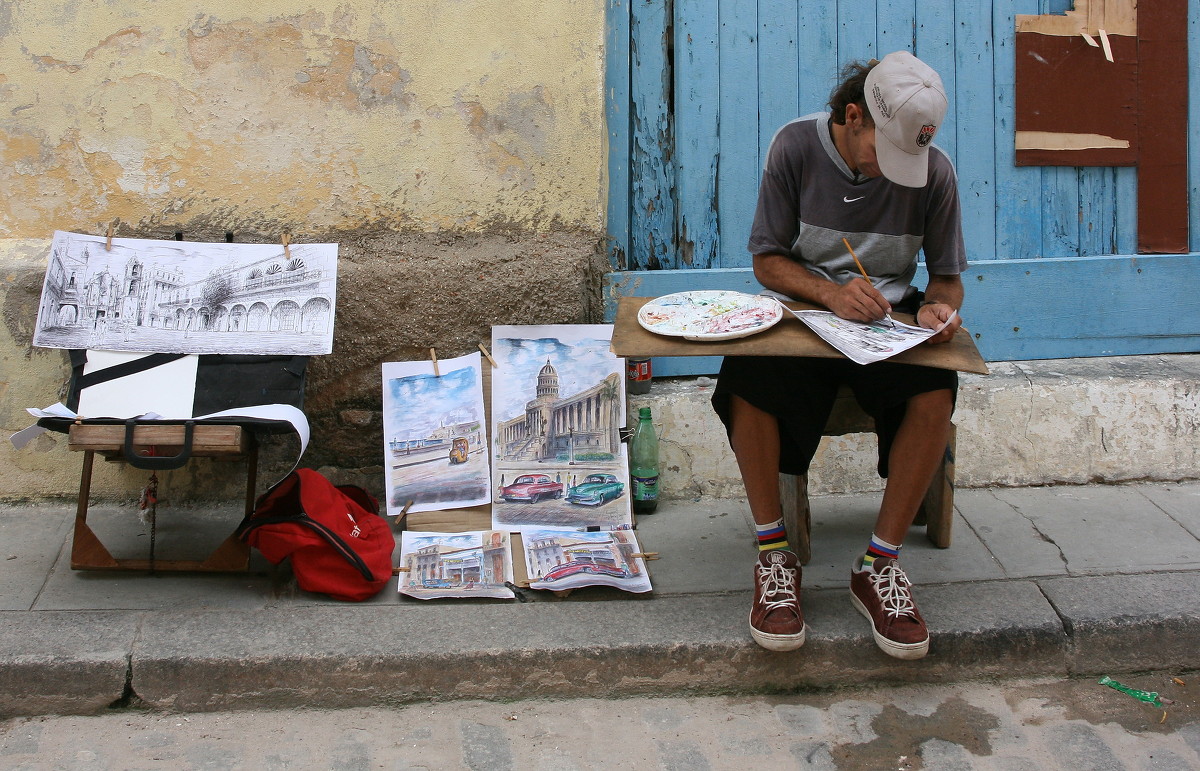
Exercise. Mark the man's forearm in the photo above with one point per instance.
(947, 290)
(785, 275)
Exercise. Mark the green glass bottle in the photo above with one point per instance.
(643, 465)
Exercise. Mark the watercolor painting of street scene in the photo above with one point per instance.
(558, 559)
(558, 403)
(435, 440)
(477, 563)
(187, 297)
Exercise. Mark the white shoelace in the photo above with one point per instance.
(775, 581)
(892, 587)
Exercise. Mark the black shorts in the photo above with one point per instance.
(800, 391)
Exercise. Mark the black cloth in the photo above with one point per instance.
(800, 393)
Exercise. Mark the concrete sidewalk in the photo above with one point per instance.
(1055, 581)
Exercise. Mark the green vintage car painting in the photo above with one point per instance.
(596, 489)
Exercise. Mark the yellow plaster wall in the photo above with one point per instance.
(421, 115)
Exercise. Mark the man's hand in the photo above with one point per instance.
(933, 315)
(857, 300)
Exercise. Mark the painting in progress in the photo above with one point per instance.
(558, 559)
(558, 402)
(435, 445)
(477, 563)
(183, 297)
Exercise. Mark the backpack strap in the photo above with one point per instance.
(332, 538)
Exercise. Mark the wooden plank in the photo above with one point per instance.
(1098, 204)
(616, 106)
(1194, 128)
(935, 32)
(697, 104)
(1018, 212)
(817, 58)
(895, 27)
(974, 105)
(1125, 218)
(790, 337)
(652, 182)
(777, 73)
(206, 439)
(1162, 85)
(857, 31)
(1020, 309)
(740, 166)
(1061, 212)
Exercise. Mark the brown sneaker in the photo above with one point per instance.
(884, 596)
(776, 622)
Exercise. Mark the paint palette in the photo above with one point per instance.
(710, 314)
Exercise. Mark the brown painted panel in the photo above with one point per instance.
(1066, 86)
(1163, 124)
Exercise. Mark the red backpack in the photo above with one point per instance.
(338, 543)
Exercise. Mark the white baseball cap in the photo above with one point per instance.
(907, 102)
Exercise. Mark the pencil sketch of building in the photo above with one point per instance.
(180, 297)
(564, 427)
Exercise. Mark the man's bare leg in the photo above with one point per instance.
(755, 441)
(776, 619)
(878, 587)
(916, 452)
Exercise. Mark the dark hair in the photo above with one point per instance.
(851, 90)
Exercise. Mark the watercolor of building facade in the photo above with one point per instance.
(477, 563)
(558, 402)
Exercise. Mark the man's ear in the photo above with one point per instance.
(854, 115)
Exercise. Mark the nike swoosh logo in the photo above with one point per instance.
(848, 199)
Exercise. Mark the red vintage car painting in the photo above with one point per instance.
(531, 488)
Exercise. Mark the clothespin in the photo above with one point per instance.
(287, 253)
(403, 513)
(646, 555)
(433, 357)
(108, 239)
(398, 571)
(489, 356)
(1089, 40)
(520, 592)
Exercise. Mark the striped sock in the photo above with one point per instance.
(771, 536)
(876, 549)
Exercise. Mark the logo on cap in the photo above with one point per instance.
(926, 135)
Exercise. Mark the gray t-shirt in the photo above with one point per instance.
(809, 200)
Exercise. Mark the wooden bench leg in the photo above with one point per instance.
(797, 519)
(87, 552)
(937, 510)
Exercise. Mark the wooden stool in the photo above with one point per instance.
(213, 441)
(936, 511)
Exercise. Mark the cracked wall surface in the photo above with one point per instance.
(284, 116)
(454, 151)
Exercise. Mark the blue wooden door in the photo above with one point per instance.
(697, 89)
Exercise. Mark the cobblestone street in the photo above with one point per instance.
(1011, 726)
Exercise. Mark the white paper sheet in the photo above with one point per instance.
(168, 389)
(865, 343)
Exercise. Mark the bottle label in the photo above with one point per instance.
(645, 488)
(637, 370)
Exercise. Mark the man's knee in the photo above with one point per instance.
(933, 406)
